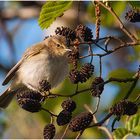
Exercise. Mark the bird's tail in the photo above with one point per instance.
(6, 98)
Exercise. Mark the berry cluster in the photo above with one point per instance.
(133, 16)
(81, 32)
(63, 118)
(29, 100)
(65, 115)
(49, 131)
(97, 87)
(84, 33)
(83, 75)
(68, 105)
(67, 32)
(81, 121)
(124, 107)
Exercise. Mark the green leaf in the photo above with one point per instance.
(51, 10)
(135, 4)
(136, 130)
(133, 125)
(120, 133)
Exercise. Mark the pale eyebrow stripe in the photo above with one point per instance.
(61, 42)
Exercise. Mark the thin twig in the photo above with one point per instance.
(103, 127)
(108, 37)
(125, 80)
(88, 108)
(113, 123)
(52, 119)
(80, 134)
(97, 105)
(102, 121)
(110, 9)
(94, 119)
(107, 132)
(113, 50)
(71, 95)
(90, 52)
(66, 129)
(100, 46)
(100, 64)
(51, 113)
(138, 97)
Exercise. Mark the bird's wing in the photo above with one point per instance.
(30, 52)
(34, 50)
(11, 73)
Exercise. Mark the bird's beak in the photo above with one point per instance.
(68, 50)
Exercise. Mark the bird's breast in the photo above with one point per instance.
(43, 67)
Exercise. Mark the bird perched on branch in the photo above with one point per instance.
(46, 60)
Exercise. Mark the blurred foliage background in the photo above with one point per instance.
(19, 29)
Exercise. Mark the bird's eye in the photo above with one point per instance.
(58, 45)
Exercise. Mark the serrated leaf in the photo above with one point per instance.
(51, 10)
(120, 133)
(133, 125)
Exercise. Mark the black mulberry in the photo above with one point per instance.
(84, 32)
(29, 100)
(74, 76)
(96, 89)
(81, 121)
(68, 105)
(49, 131)
(124, 107)
(63, 117)
(86, 72)
(67, 32)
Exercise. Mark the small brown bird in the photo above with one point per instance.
(46, 60)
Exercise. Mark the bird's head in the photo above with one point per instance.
(58, 45)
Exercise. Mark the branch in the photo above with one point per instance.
(52, 114)
(125, 80)
(102, 121)
(113, 50)
(110, 9)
